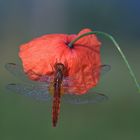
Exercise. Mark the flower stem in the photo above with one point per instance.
(116, 45)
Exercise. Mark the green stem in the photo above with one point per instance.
(116, 45)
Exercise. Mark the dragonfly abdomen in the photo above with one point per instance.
(55, 110)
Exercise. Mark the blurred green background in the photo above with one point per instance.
(22, 118)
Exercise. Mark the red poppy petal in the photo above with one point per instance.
(89, 40)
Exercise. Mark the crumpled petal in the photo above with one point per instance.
(41, 54)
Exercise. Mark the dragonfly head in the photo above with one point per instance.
(60, 67)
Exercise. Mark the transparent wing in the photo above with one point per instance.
(38, 92)
(92, 97)
(17, 71)
(69, 83)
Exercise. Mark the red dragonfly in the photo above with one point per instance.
(54, 87)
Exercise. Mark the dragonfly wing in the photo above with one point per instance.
(69, 82)
(87, 98)
(17, 71)
(34, 91)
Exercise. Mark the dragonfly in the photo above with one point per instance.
(54, 87)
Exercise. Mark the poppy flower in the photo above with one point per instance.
(41, 54)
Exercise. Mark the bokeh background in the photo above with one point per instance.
(22, 118)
